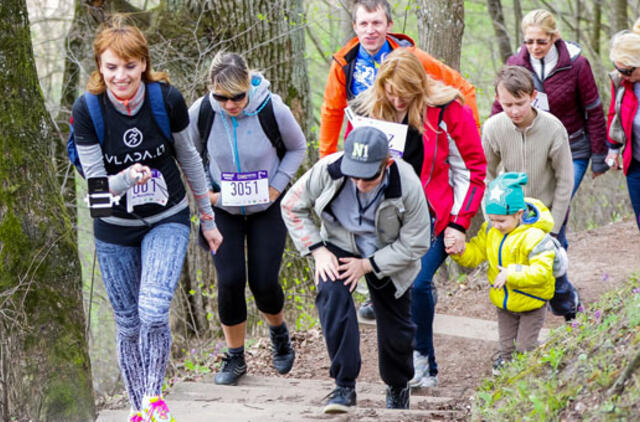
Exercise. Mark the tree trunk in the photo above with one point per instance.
(596, 26)
(517, 15)
(500, 28)
(185, 35)
(619, 20)
(41, 314)
(346, 20)
(441, 25)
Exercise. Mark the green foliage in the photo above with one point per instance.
(570, 377)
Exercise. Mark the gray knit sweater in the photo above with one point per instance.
(541, 150)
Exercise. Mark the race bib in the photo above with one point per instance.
(153, 192)
(396, 132)
(541, 101)
(242, 189)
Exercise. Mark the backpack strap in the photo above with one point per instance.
(270, 126)
(95, 112)
(159, 110)
(206, 116)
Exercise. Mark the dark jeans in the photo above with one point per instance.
(265, 234)
(633, 184)
(423, 302)
(579, 169)
(340, 327)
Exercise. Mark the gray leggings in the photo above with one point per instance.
(140, 281)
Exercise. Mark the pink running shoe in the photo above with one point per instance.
(135, 417)
(156, 410)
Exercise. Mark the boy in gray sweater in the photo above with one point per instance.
(525, 139)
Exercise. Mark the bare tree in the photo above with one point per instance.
(517, 15)
(441, 25)
(500, 28)
(596, 26)
(48, 377)
(619, 21)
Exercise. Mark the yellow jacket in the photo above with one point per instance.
(530, 260)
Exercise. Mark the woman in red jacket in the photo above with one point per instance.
(625, 55)
(443, 146)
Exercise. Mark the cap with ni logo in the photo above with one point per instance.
(364, 149)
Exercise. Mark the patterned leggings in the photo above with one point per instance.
(140, 281)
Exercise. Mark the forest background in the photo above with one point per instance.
(292, 42)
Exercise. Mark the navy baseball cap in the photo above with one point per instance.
(364, 149)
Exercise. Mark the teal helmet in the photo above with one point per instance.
(504, 195)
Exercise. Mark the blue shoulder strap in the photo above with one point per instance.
(158, 109)
(96, 115)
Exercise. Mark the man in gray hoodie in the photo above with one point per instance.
(374, 218)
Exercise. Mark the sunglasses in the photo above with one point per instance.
(626, 72)
(539, 42)
(224, 99)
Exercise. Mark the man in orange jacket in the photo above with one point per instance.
(355, 66)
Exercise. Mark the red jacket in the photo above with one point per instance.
(454, 166)
(628, 111)
(338, 88)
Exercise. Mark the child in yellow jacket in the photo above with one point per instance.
(521, 255)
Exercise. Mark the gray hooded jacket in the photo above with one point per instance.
(238, 144)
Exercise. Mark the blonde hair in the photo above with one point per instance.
(229, 72)
(542, 19)
(128, 43)
(625, 46)
(402, 72)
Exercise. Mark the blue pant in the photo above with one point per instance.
(423, 301)
(140, 281)
(579, 169)
(633, 184)
(340, 328)
(565, 297)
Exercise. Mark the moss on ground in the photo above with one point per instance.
(572, 375)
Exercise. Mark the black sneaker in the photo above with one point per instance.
(233, 367)
(283, 353)
(398, 397)
(577, 308)
(498, 364)
(340, 400)
(366, 311)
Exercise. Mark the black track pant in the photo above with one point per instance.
(339, 322)
(265, 235)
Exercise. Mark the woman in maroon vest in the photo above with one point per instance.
(566, 88)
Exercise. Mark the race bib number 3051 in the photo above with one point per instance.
(242, 189)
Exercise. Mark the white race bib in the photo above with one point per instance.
(396, 132)
(541, 101)
(242, 189)
(153, 192)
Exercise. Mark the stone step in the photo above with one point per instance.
(207, 411)
(265, 399)
(459, 326)
(303, 394)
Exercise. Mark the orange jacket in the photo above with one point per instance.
(338, 88)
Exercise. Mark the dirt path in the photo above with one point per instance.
(600, 259)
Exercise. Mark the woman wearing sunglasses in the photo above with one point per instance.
(567, 89)
(248, 175)
(625, 55)
(444, 148)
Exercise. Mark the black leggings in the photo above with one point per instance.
(265, 233)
